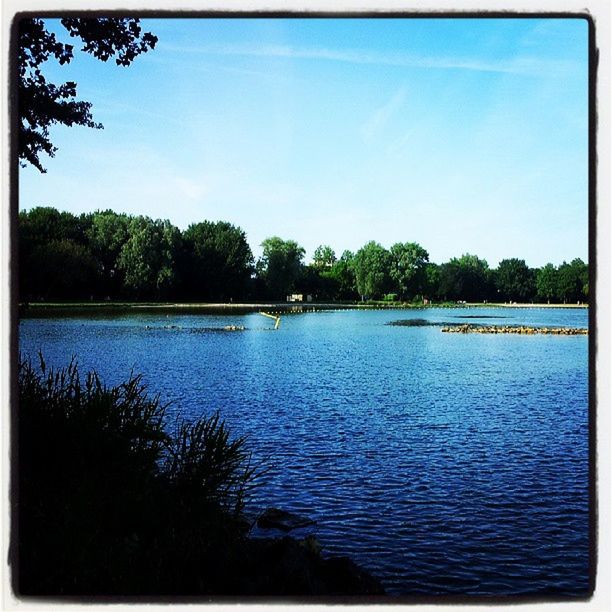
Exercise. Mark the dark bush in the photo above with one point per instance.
(110, 503)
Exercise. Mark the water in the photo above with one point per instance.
(443, 463)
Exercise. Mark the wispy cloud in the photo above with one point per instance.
(379, 118)
(516, 65)
(400, 143)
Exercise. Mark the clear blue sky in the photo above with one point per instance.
(464, 135)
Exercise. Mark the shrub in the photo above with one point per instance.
(110, 503)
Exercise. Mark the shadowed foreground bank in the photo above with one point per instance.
(112, 504)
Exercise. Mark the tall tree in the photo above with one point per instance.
(408, 268)
(343, 274)
(148, 257)
(219, 261)
(372, 263)
(61, 270)
(546, 282)
(280, 266)
(514, 280)
(465, 279)
(324, 257)
(573, 278)
(42, 104)
(171, 243)
(318, 283)
(37, 229)
(44, 223)
(432, 281)
(107, 234)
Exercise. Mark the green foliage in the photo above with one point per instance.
(147, 257)
(44, 223)
(431, 284)
(107, 235)
(372, 264)
(572, 281)
(318, 283)
(515, 281)
(465, 279)
(219, 261)
(546, 282)
(54, 258)
(108, 255)
(280, 266)
(408, 262)
(324, 257)
(43, 104)
(110, 502)
(343, 275)
(59, 270)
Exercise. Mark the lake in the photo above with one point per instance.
(443, 463)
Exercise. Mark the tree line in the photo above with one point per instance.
(111, 256)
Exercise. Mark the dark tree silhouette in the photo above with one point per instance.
(42, 103)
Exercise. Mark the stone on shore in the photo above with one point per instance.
(274, 518)
(286, 566)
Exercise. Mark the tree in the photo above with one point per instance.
(44, 223)
(431, 287)
(219, 261)
(318, 283)
(343, 274)
(466, 278)
(107, 234)
(148, 257)
(171, 242)
(408, 268)
(280, 265)
(61, 270)
(371, 264)
(546, 282)
(40, 227)
(41, 103)
(324, 257)
(514, 280)
(317, 279)
(573, 279)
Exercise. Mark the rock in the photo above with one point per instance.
(286, 566)
(519, 329)
(345, 577)
(274, 518)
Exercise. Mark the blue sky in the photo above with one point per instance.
(464, 135)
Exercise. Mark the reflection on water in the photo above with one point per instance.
(443, 463)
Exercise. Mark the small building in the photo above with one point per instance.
(299, 297)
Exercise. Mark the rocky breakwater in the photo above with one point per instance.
(470, 328)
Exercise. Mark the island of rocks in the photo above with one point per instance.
(469, 328)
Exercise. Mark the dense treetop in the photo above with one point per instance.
(106, 255)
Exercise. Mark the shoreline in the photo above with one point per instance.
(247, 307)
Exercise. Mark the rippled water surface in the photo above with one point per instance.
(443, 463)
